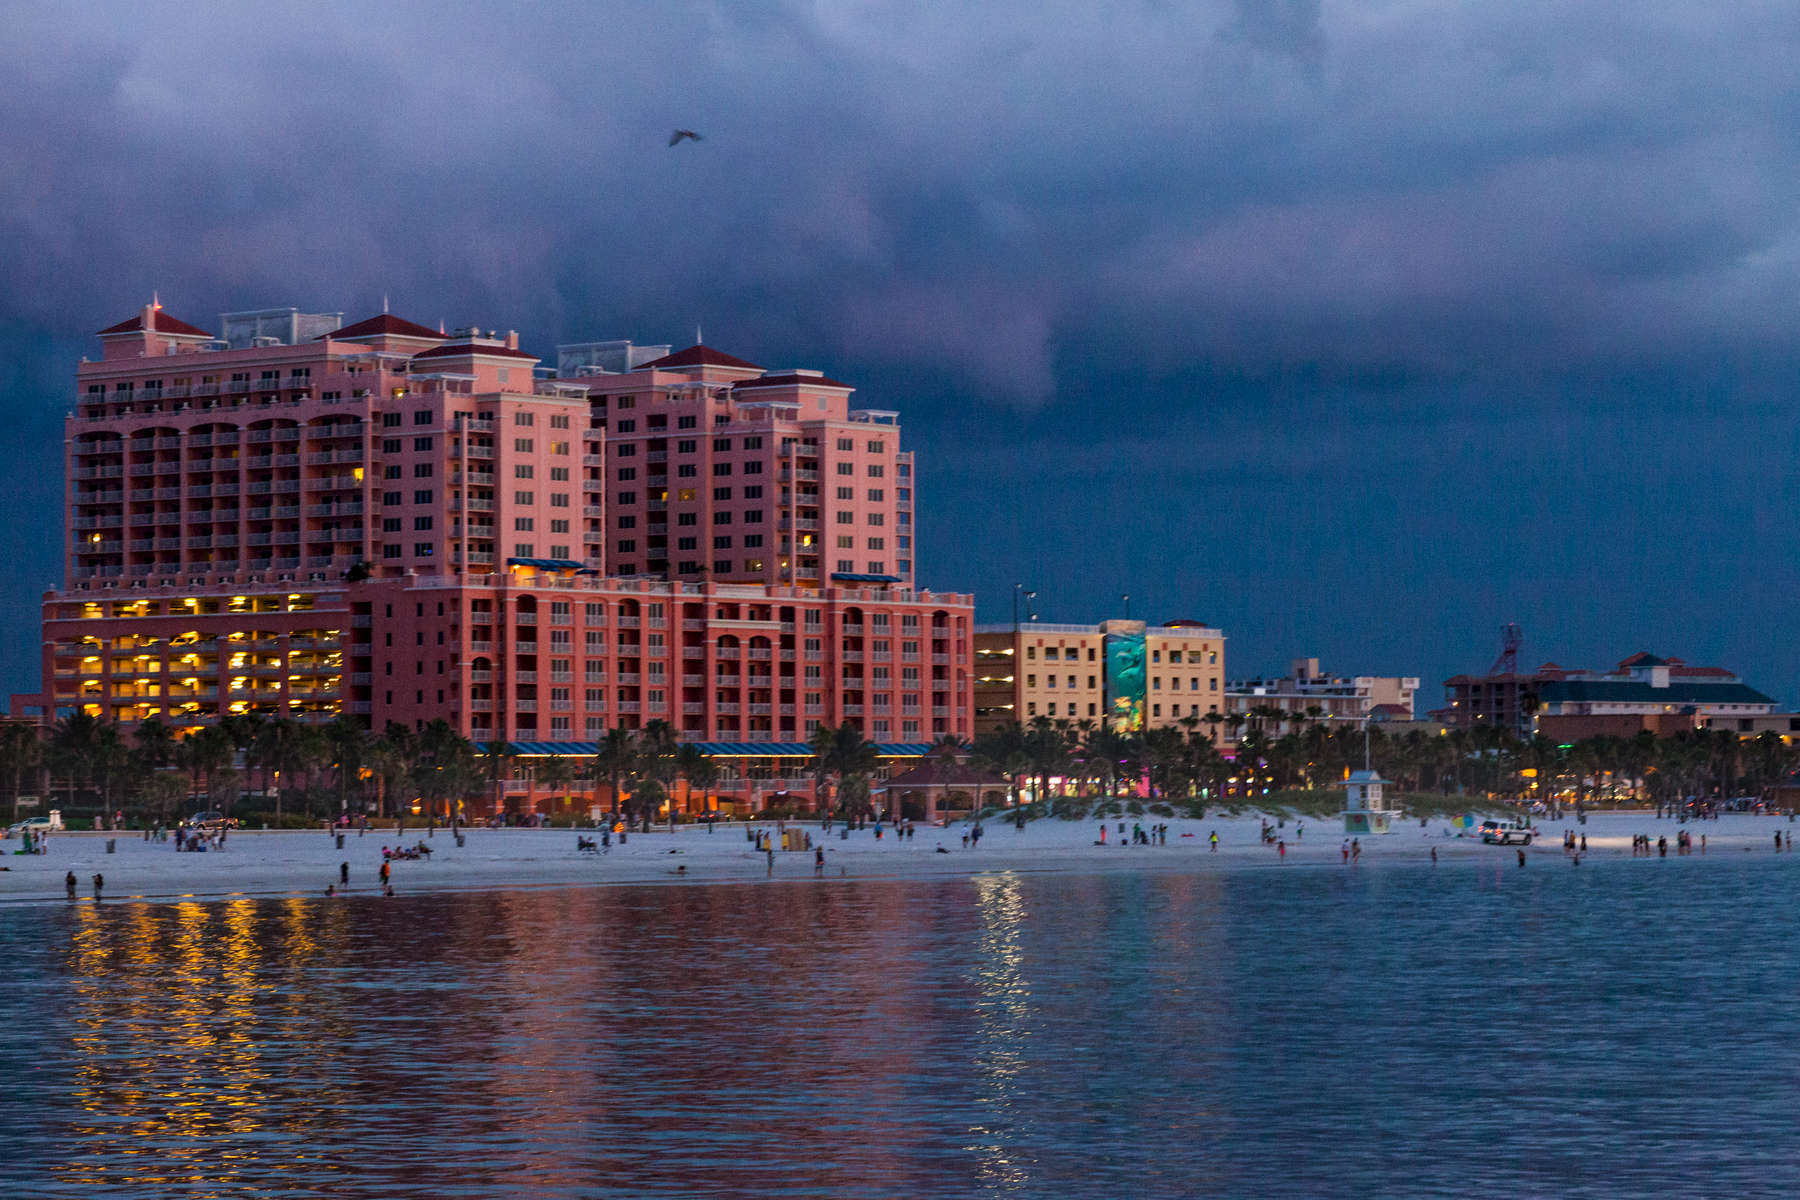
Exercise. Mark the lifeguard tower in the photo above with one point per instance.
(1365, 811)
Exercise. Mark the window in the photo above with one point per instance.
(721, 493)
(559, 526)
(846, 518)
(846, 541)
(390, 497)
(391, 551)
(846, 493)
(524, 550)
(559, 474)
(390, 524)
(523, 419)
(422, 417)
(687, 543)
(559, 499)
(422, 470)
(687, 470)
(753, 443)
(877, 448)
(876, 495)
(753, 541)
(524, 497)
(628, 546)
(522, 471)
(421, 524)
(753, 468)
(625, 450)
(688, 422)
(753, 516)
(421, 444)
(687, 446)
(392, 471)
(687, 518)
(876, 470)
(722, 543)
(845, 468)
(722, 445)
(846, 566)
(626, 498)
(559, 420)
(522, 524)
(422, 496)
(627, 474)
(877, 518)
(876, 544)
(390, 420)
(627, 425)
(422, 549)
(391, 445)
(522, 445)
(847, 445)
(628, 522)
(753, 492)
(559, 447)
(877, 567)
(721, 468)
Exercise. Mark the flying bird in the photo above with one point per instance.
(681, 135)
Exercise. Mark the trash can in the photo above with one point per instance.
(109, 845)
(340, 841)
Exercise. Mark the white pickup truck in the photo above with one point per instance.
(1504, 833)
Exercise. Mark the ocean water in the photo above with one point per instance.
(1626, 1028)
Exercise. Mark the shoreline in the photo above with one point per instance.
(284, 865)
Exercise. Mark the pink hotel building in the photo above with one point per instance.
(297, 517)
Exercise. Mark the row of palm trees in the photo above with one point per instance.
(1276, 750)
(149, 766)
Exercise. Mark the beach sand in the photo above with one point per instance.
(280, 864)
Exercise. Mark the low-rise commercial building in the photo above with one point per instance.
(1127, 672)
(1320, 699)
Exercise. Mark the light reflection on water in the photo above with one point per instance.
(1615, 1031)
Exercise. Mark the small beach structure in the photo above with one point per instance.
(1365, 809)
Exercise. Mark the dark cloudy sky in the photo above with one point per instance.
(1356, 328)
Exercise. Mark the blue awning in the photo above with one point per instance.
(850, 577)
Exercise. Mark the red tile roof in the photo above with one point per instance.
(791, 379)
(164, 324)
(468, 349)
(698, 356)
(385, 323)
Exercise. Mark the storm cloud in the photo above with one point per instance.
(1333, 286)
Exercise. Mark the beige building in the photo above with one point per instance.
(1134, 674)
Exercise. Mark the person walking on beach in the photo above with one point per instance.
(99, 882)
(1355, 850)
(1434, 856)
(1521, 860)
(69, 883)
(384, 872)
(819, 861)
(1281, 851)
(344, 874)
(1344, 850)
(1215, 841)
(771, 854)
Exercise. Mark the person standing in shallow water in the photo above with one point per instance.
(99, 882)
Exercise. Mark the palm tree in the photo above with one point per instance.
(556, 773)
(616, 760)
(1003, 750)
(349, 744)
(700, 771)
(657, 742)
(843, 753)
(203, 752)
(71, 752)
(21, 751)
(288, 750)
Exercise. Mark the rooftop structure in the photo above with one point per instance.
(1334, 700)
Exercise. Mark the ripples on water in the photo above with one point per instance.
(1621, 1029)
